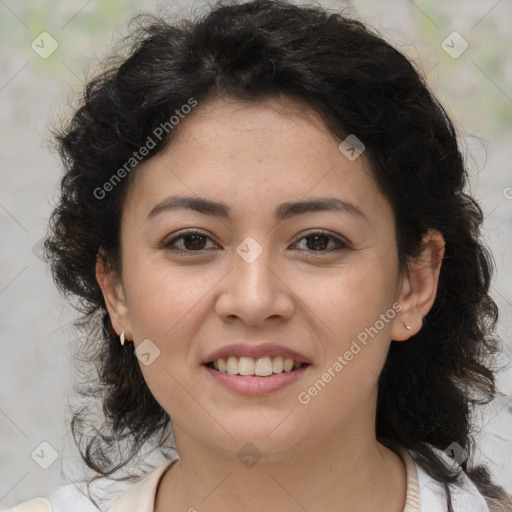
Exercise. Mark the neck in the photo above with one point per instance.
(351, 474)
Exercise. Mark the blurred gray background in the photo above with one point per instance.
(38, 79)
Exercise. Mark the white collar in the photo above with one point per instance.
(140, 496)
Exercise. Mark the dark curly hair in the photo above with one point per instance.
(360, 85)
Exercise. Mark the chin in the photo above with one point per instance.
(273, 432)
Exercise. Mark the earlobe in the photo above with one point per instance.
(114, 296)
(419, 287)
(406, 326)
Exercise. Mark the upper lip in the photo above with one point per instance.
(255, 351)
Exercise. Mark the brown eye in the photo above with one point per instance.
(317, 242)
(322, 242)
(192, 241)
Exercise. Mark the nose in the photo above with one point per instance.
(255, 291)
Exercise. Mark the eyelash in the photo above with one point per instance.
(169, 245)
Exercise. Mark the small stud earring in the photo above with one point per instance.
(405, 325)
(122, 338)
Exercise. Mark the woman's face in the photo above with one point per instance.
(294, 255)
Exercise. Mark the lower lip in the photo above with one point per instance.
(255, 386)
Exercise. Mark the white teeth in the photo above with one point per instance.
(277, 364)
(288, 365)
(232, 365)
(262, 367)
(246, 366)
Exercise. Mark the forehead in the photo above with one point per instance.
(274, 149)
(222, 123)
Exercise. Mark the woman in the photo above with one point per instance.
(265, 208)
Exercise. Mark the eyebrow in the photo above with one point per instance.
(283, 211)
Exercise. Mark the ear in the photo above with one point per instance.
(113, 292)
(419, 287)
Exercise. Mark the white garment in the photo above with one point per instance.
(465, 498)
(424, 494)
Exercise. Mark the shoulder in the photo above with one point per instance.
(64, 498)
(110, 494)
(34, 505)
(140, 496)
(464, 494)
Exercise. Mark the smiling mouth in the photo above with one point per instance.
(260, 367)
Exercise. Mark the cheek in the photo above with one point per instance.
(355, 304)
(349, 299)
(349, 306)
(162, 297)
(168, 306)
